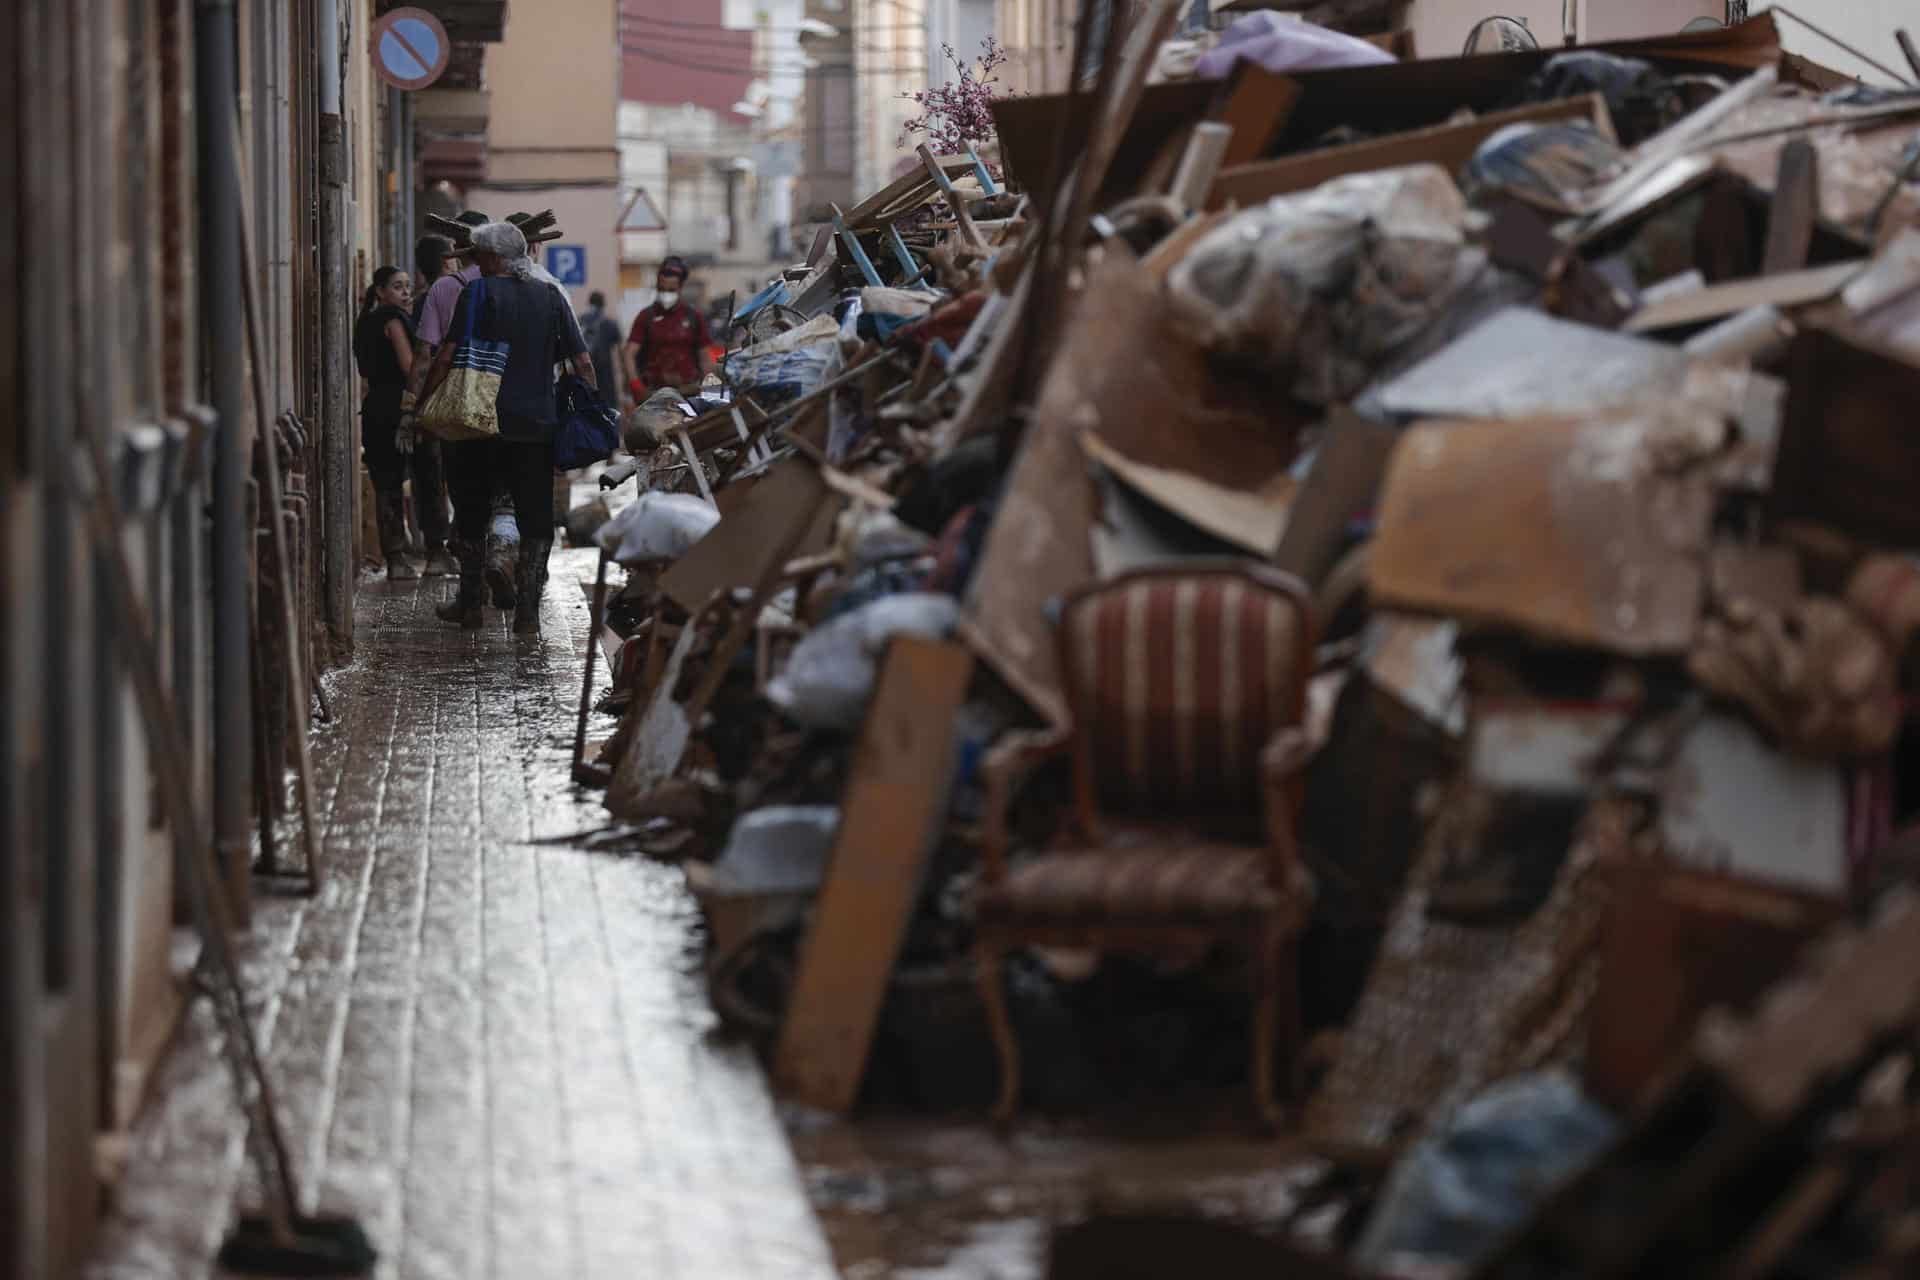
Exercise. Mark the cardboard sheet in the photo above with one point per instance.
(1250, 519)
(738, 550)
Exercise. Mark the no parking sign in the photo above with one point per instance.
(410, 48)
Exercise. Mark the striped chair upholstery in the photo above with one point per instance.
(1178, 679)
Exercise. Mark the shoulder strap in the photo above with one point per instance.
(473, 307)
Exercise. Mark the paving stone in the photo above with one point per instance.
(494, 1052)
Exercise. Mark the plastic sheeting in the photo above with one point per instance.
(778, 849)
(828, 679)
(656, 527)
(1461, 1189)
(1542, 163)
(1317, 290)
(1279, 43)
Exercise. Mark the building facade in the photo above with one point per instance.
(553, 89)
(202, 187)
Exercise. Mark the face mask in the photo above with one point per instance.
(667, 301)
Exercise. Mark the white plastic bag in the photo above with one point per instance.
(657, 526)
(782, 848)
(867, 537)
(828, 679)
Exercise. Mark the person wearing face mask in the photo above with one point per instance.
(669, 341)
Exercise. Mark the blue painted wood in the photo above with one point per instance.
(859, 254)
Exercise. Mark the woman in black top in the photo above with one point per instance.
(383, 349)
(540, 331)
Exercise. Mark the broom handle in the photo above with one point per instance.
(593, 643)
(272, 499)
(207, 897)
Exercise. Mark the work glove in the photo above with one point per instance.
(403, 435)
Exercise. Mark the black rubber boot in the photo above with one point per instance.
(529, 581)
(464, 608)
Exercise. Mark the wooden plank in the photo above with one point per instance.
(1849, 453)
(1447, 145)
(1257, 107)
(959, 206)
(1677, 942)
(1200, 164)
(698, 467)
(890, 814)
(1344, 482)
(1028, 126)
(659, 740)
(738, 550)
(914, 188)
(1796, 204)
(1717, 301)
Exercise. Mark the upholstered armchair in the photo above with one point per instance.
(1187, 688)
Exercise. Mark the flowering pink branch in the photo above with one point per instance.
(959, 114)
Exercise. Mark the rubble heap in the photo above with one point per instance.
(1429, 544)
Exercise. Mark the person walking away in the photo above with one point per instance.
(383, 350)
(668, 345)
(432, 318)
(602, 334)
(539, 330)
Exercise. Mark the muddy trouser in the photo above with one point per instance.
(391, 469)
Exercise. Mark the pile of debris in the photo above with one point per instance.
(1452, 523)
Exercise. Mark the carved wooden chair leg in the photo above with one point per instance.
(1293, 1035)
(1267, 1011)
(993, 996)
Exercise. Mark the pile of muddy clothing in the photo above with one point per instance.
(1423, 551)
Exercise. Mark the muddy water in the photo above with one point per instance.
(908, 1198)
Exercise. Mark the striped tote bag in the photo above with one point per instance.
(464, 407)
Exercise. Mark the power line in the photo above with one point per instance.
(758, 69)
(701, 45)
(637, 19)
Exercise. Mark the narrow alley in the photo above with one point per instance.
(493, 1051)
(959, 640)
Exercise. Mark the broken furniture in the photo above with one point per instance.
(1784, 1147)
(1186, 686)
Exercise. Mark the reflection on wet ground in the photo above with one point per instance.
(495, 1053)
(909, 1198)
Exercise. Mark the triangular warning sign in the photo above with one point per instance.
(641, 214)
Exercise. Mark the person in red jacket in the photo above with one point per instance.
(668, 346)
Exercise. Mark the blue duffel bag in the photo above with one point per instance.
(589, 430)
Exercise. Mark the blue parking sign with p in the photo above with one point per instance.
(568, 263)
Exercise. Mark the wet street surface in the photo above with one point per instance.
(495, 1052)
(911, 1197)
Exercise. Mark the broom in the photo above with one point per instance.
(281, 1240)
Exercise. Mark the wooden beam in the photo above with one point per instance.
(890, 815)
(1795, 207)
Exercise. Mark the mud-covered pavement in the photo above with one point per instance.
(494, 1052)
